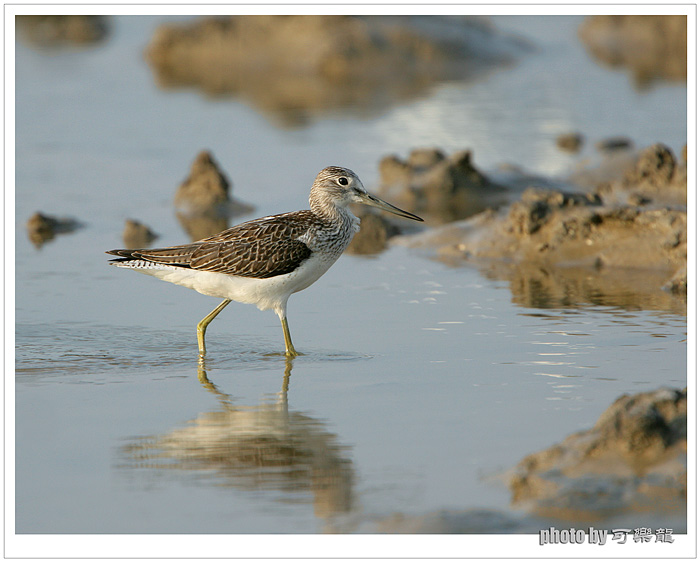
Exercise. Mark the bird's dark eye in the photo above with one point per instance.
(343, 181)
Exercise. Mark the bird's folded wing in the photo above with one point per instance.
(262, 248)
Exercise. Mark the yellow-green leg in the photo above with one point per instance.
(291, 352)
(204, 323)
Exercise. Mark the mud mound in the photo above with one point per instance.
(570, 142)
(295, 66)
(678, 284)
(657, 176)
(650, 176)
(552, 227)
(206, 187)
(53, 31)
(203, 201)
(43, 228)
(652, 47)
(633, 459)
(632, 215)
(137, 235)
(444, 188)
(375, 231)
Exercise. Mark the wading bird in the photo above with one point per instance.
(264, 261)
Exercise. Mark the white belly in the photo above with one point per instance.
(267, 293)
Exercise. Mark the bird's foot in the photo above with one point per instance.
(291, 353)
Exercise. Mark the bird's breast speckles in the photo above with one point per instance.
(330, 241)
(331, 237)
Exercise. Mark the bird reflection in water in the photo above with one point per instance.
(262, 447)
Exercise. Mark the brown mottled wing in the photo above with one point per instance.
(262, 248)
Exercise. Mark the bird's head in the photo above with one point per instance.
(339, 187)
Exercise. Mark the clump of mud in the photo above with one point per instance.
(137, 235)
(554, 227)
(650, 176)
(43, 228)
(56, 30)
(657, 176)
(206, 187)
(678, 284)
(296, 66)
(636, 220)
(614, 144)
(203, 202)
(632, 460)
(443, 188)
(652, 47)
(570, 142)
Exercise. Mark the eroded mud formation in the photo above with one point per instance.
(42, 228)
(203, 201)
(630, 218)
(651, 47)
(633, 459)
(62, 30)
(294, 67)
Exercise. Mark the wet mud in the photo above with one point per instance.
(624, 216)
(203, 201)
(374, 234)
(440, 187)
(137, 235)
(53, 31)
(632, 460)
(570, 142)
(650, 47)
(296, 67)
(43, 228)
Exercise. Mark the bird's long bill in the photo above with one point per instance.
(374, 201)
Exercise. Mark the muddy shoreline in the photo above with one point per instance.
(623, 216)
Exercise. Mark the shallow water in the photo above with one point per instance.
(420, 383)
